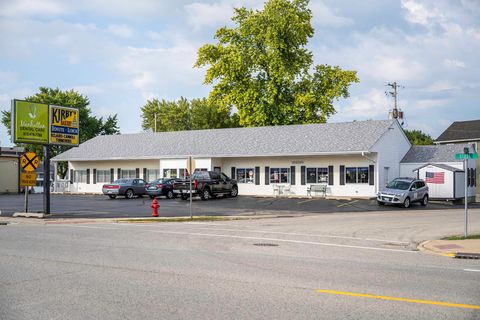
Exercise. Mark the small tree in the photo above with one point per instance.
(417, 137)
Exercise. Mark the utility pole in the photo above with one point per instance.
(395, 113)
(155, 122)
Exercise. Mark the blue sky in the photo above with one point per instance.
(120, 53)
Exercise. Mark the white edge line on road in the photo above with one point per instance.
(471, 270)
(288, 233)
(258, 238)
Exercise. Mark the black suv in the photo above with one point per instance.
(207, 185)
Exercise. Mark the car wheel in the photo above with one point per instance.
(380, 203)
(170, 194)
(206, 194)
(406, 203)
(112, 196)
(152, 197)
(184, 196)
(424, 200)
(129, 194)
(234, 192)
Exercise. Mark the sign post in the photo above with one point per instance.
(29, 162)
(465, 156)
(190, 168)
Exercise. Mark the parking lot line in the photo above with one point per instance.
(346, 204)
(304, 201)
(371, 296)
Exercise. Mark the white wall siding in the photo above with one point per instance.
(391, 148)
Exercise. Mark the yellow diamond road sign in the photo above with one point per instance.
(29, 161)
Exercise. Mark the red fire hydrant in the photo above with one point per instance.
(155, 207)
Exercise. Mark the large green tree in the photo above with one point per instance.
(418, 137)
(186, 115)
(90, 126)
(261, 66)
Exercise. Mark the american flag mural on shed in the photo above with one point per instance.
(435, 177)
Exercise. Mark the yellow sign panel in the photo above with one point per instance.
(64, 126)
(28, 179)
(29, 161)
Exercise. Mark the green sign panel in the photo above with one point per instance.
(29, 122)
(459, 156)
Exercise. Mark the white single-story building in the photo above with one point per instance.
(352, 158)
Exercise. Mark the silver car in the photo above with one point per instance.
(404, 191)
(128, 187)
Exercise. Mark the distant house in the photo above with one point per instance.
(9, 169)
(462, 132)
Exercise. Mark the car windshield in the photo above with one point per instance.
(398, 184)
(120, 181)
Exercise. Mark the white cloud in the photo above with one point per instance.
(430, 103)
(454, 63)
(120, 30)
(441, 85)
(32, 8)
(201, 15)
(366, 106)
(324, 16)
(417, 12)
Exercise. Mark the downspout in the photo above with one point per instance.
(377, 176)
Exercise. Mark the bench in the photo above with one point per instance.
(317, 189)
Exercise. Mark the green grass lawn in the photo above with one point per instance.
(472, 236)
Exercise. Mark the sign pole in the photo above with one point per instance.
(26, 198)
(190, 180)
(46, 180)
(465, 166)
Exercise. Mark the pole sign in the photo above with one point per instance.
(64, 126)
(29, 122)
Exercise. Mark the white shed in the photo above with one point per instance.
(444, 182)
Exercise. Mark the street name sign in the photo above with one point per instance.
(460, 156)
(29, 161)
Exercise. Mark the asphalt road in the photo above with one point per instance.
(98, 206)
(311, 267)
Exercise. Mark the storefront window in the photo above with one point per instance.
(103, 176)
(169, 173)
(317, 175)
(128, 174)
(356, 175)
(245, 175)
(279, 175)
(80, 176)
(152, 174)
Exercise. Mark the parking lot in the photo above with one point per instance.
(99, 206)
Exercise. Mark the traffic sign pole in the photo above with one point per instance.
(46, 180)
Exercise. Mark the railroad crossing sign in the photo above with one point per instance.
(29, 161)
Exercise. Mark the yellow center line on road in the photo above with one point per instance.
(347, 204)
(371, 296)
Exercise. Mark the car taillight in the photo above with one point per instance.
(195, 184)
(159, 185)
(111, 187)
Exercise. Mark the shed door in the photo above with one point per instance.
(385, 176)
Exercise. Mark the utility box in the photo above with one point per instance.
(446, 182)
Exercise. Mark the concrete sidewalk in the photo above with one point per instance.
(451, 247)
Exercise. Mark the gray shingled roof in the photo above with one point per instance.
(343, 137)
(436, 153)
(461, 130)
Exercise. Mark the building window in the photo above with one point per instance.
(170, 173)
(125, 174)
(245, 175)
(317, 175)
(183, 173)
(356, 175)
(80, 176)
(279, 175)
(152, 174)
(103, 176)
(200, 169)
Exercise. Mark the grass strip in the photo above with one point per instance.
(472, 236)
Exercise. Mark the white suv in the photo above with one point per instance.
(404, 191)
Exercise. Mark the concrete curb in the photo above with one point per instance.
(449, 248)
(29, 215)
